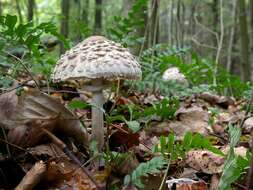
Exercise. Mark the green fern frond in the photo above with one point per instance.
(143, 170)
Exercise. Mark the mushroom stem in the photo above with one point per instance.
(97, 115)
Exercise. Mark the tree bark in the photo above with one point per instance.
(215, 12)
(1, 6)
(85, 12)
(30, 9)
(142, 31)
(244, 36)
(19, 11)
(192, 21)
(177, 24)
(98, 17)
(154, 26)
(127, 4)
(171, 39)
(231, 36)
(64, 22)
(251, 26)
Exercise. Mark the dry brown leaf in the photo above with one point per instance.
(192, 113)
(186, 184)
(222, 101)
(8, 102)
(50, 150)
(205, 161)
(26, 114)
(248, 125)
(64, 175)
(32, 177)
(193, 119)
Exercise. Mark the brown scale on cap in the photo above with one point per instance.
(95, 58)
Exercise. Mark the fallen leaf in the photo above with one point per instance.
(205, 161)
(186, 184)
(193, 119)
(248, 125)
(8, 102)
(26, 114)
(62, 174)
(222, 101)
(50, 150)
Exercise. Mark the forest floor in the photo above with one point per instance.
(151, 141)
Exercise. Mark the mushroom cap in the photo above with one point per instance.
(96, 58)
(173, 74)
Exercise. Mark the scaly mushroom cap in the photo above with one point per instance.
(94, 58)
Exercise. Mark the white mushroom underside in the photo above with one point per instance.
(93, 59)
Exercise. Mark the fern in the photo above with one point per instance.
(124, 27)
(169, 145)
(234, 165)
(143, 170)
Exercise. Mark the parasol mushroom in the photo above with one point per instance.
(98, 61)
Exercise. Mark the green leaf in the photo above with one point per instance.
(234, 165)
(133, 125)
(144, 169)
(2, 44)
(171, 141)
(75, 104)
(11, 21)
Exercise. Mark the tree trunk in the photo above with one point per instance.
(244, 36)
(183, 19)
(231, 36)
(171, 23)
(216, 20)
(1, 6)
(143, 30)
(30, 9)
(98, 17)
(127, 5)
(177, 24)
(64, 22)
(19, 11)
(85, 12)
(251, 26)
(154, 26)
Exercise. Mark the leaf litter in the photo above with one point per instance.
(46, 165)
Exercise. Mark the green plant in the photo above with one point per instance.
(143, 170)
(165, 109)
(134, 125)
(214, 112)
(199, 73)
(124, 28)
(23, 42)
(168, 146)
(234, 166)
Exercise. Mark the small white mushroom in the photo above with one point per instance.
(173, 74)
(97, 60)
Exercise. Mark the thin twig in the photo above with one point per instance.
(7, 145)
(203, 45)
(24, 66)
(165, 175)
(14, 88)
(13, 145)
(65, 149)
(219, 44)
